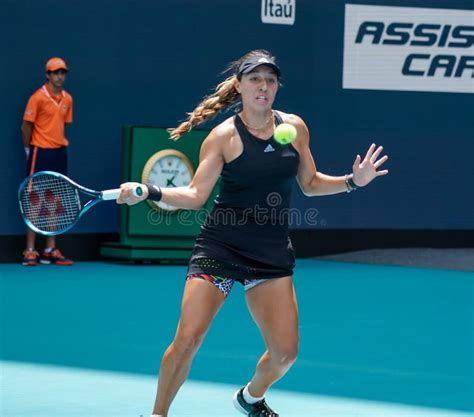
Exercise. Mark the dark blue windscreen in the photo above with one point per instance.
(147, 63)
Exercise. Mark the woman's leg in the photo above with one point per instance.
(274, 308)
(201, 302)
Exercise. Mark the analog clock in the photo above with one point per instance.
(167, 168)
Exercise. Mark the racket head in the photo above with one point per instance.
(49, 203)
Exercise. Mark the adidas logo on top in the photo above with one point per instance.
(269, 148)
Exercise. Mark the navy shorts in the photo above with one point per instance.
(47, 160)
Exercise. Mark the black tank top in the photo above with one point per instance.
(262, 175)
(248, 225)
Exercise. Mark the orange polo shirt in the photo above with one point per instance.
(48, 113)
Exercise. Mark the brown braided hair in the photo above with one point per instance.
(225, 96)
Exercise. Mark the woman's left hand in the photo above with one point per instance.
(366, 170)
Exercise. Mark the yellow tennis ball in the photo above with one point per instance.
(285, 133)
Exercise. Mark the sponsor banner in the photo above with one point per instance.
(279, 12)
(408, 49)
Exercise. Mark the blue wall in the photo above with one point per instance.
(148, 62)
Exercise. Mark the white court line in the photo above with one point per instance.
(31, 390)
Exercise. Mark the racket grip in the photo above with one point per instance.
(111, 194)
(114, 194)
(138, 191)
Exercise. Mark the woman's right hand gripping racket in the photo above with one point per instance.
(50, 203)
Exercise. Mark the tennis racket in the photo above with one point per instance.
(51, 203)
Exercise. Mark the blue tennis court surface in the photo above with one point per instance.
(376, 341)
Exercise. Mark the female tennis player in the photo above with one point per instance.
(252, 245)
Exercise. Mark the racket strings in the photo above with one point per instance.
(50, 203)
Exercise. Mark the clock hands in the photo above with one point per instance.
(169, 182)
